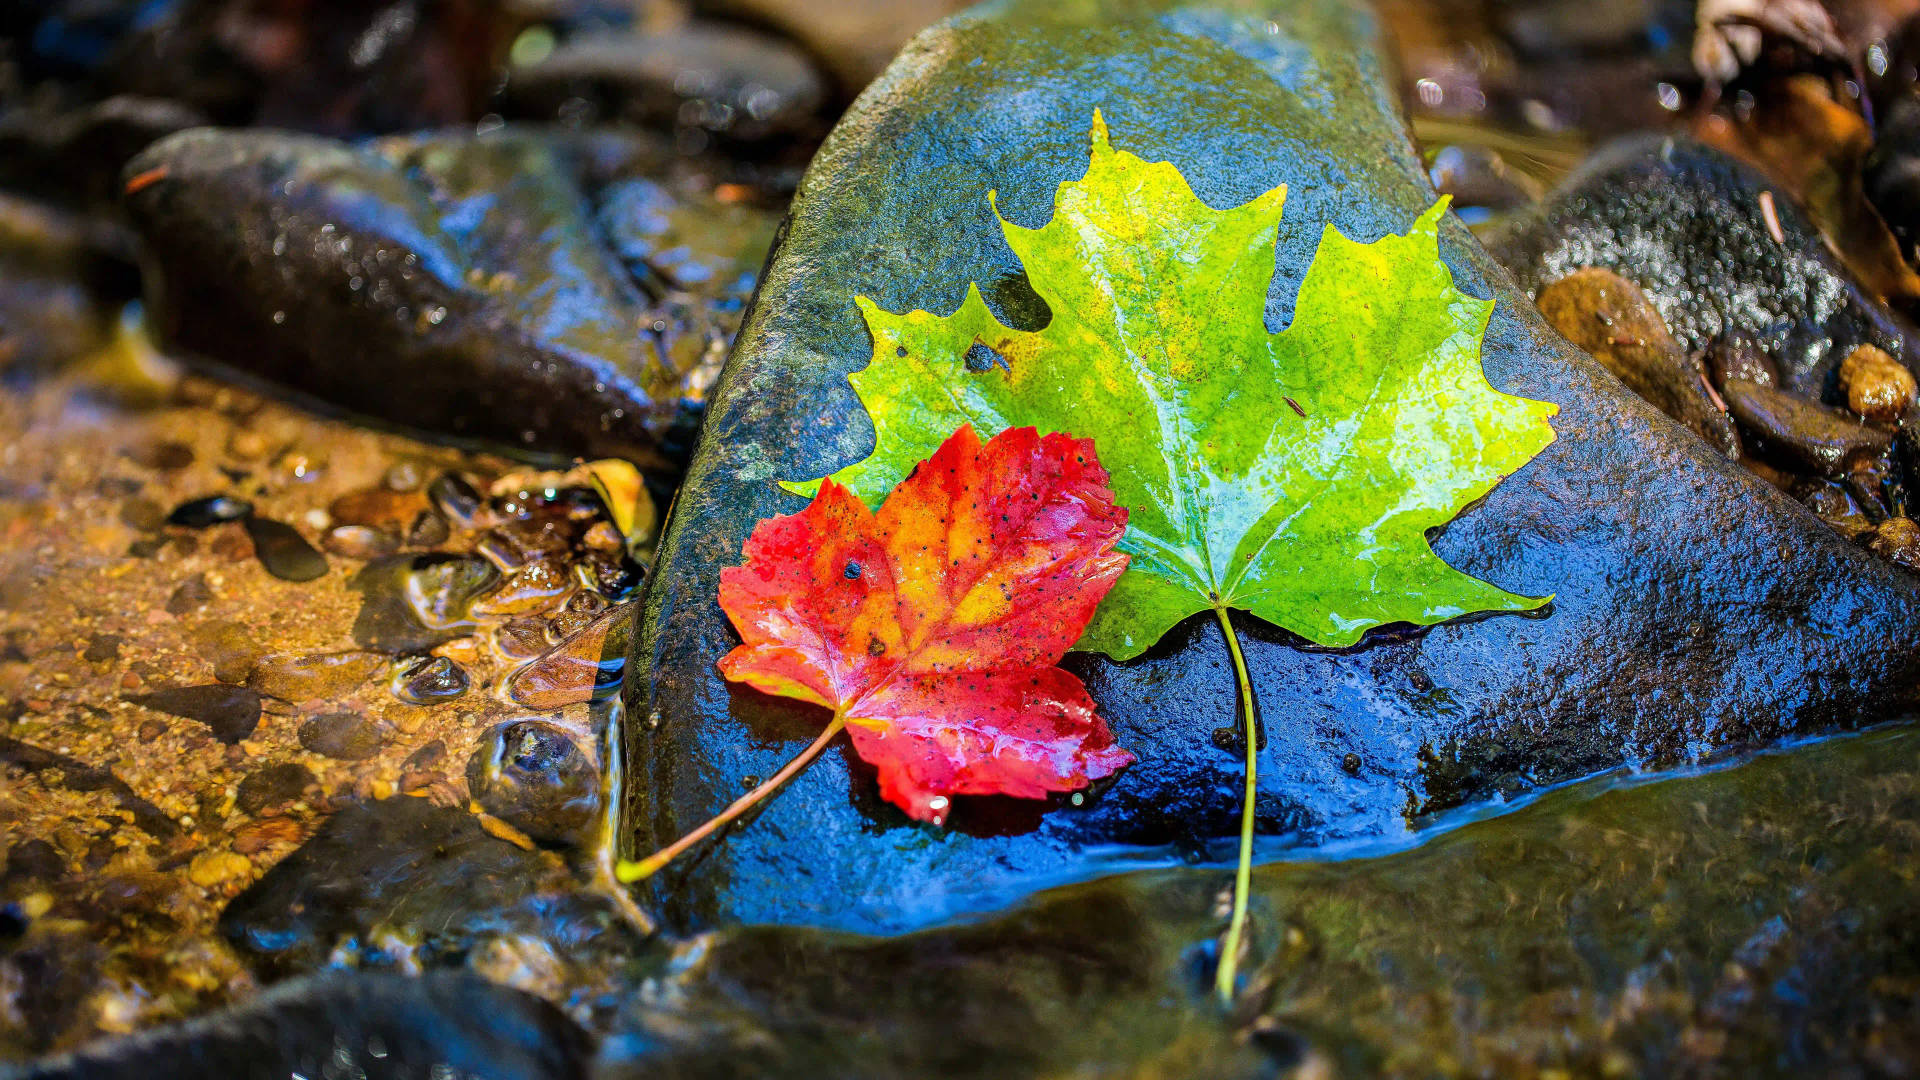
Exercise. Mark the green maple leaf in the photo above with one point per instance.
(1290, 475)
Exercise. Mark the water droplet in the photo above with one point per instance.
(937, 803)
(437, 315)
(280, 244)
(279, 317)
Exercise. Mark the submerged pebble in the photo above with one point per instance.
(343, 736)
(299, 677)
(1811, 436)
(360, 541)
(230, 712)
(532, 776)
(274, 786)
(208, 511)
(453, 496)
(283, 551)
(434, 681)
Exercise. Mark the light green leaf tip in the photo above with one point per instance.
(1290, 475)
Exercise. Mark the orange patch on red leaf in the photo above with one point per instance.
(936, 624)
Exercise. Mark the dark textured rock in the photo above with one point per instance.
(1696, 606)
(452, 284)
(75, 155)
(729, 81)
(1807, 435)
(273, 786)
(404, 866)
(532, 776)
(230, 712)
(1685, 223)
(381, 1027)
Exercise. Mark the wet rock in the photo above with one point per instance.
(725, 81)
(283, 551)
(1898, 539)
(273, 786)
(428, 530)
(380, 506)
(586, 665)
(337, 68)
(430, 756)
(229, 647)
(404, 868)
(536, 586)
(1810, 436)
(1835, 505)
(445, 283)
(1477, 178)
(300, 677)
(854, 38)
(343, 736)
(74, 156)
(411, 603)
(360, 542)
(1891, 177)
(699, 258)
(1695, 605)
(1876, 386)
(1738, 356)
(433, 681)
(380, 1026)
(532, 776)
(230, 712)
(453, 496)
(1695, 228)
(1609, 316)
(209, 511)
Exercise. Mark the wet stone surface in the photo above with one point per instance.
(448, 283)
(1695, 606)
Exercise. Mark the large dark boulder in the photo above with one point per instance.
(1696, 607)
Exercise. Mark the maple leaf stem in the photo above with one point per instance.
(630, 872)
(1243, 876)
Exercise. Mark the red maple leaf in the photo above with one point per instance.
(934, 627)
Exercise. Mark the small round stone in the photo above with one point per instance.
(1877, 386)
